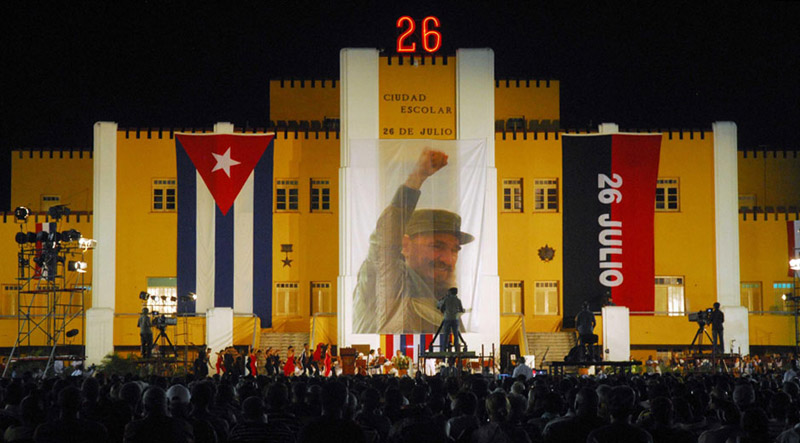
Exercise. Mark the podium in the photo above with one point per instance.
(347, 357)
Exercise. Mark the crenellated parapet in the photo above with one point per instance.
(286, 129)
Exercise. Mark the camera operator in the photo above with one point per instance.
(145, 332)
(717, 318)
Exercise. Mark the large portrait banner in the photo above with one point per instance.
(416, 230)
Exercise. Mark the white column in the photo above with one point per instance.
(475, 120)
(726, 212)
(100, 317)
(358, 112)
(616, 333)
(608, 128)
(219, 328)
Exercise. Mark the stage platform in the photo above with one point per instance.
(557, 367)
(445, 354)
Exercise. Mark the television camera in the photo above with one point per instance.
(161, 321)
(702, 318)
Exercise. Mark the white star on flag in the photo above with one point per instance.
(224, 162)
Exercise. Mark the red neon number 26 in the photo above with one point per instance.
(431, 39)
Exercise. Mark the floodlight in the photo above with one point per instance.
(143, 295)
(41, 236)
(77, 266)
(783, 297)
(188, 297)
(795, 264)
(21, 213)
(70, 235)
(58, 211)
(87, 243)
(31, 237)
(72, 333)
(21, 238)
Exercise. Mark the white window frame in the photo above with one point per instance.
(674, 289)
(322, 297)
(513, 296)
(287, 299)
(752, 295)
(546, 297)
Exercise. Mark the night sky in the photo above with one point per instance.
(164, 63)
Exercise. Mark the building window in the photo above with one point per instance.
(512, 195)
(668, 195)
(781, 291)
(545, 298)
(286, 299)
(669, 296)
(163, 294)
(320, 195)
(751, 296)
(165, 195)
(50, 200)
(321, 300)
(287, 195)
(545, 195)
(512, 297)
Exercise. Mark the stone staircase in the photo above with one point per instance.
(282, 340)
(556, 345)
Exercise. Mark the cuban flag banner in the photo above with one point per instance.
(609, 204)
(225, 222)
(409, 344)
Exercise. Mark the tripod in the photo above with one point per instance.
(698, 337)
(162, 333)
(439, 331)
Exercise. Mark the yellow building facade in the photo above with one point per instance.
(527, 155)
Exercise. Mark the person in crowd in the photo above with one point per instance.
(578, 426)
(499, 428)
(254, 427)
(288, 367)
(522, 369)
(157, 425)
(68, 427)
(334, 401)
(621, 400)
(179, 406)
(463, 421)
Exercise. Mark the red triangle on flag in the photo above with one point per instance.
(224, 161)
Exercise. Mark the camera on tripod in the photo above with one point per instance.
(161, 321)
(701, 317)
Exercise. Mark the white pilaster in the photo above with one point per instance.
(100, 317)
(359, 119)
(616, 333)
(475, 120)
(219, 328)
(608, 128)
(726, 212)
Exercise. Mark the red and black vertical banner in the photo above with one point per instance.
(609, 188)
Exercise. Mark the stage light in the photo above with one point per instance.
(795, 264)
(143, 295)
(164, 298)
(77, 266)
(72, 333)
(70, 235)
(190, 296)
(173, 299)
(87, 243)
(31, 237)
(783, 297)
(41, 236)
(21, 213)
(58, 211)
(21, 238)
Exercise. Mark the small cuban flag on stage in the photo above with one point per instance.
(225, 222)
(410, 344)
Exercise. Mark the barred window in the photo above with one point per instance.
(165, 195)
(320, 195)
(321, 299)
(287, 195)
(512, 195)
(669, 296)
(668, 195)
(545, 195)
